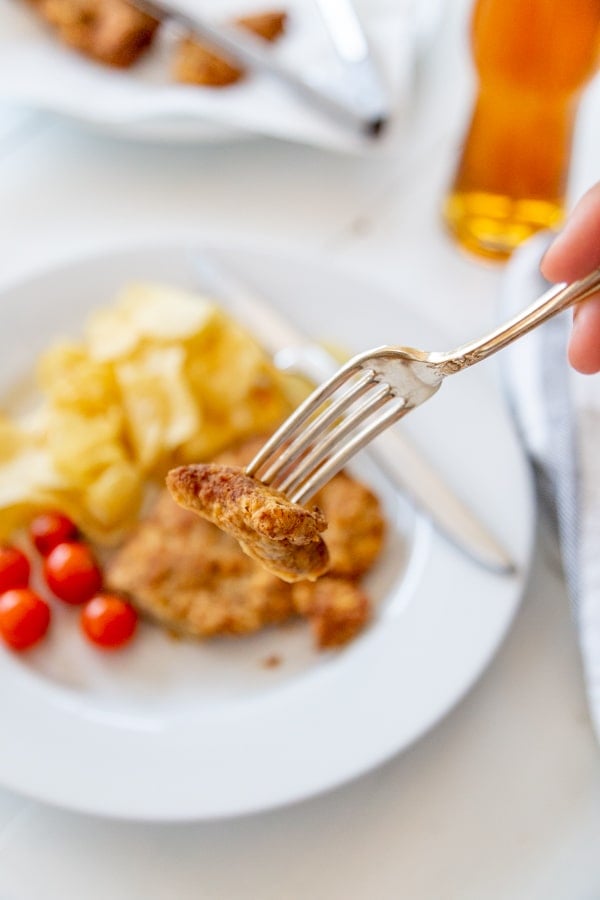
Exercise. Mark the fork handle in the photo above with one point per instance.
(554, 301)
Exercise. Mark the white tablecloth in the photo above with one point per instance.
(502, 800)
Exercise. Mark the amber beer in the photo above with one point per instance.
(533, 59)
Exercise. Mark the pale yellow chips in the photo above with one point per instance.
(160, 377)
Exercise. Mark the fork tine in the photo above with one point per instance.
(379, 396)
(308, 435)
(335, 463)
(300, 415)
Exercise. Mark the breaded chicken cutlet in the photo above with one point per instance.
(283, 536)
(197, 63)
(116, 33)
(110, 31)
(195, 580)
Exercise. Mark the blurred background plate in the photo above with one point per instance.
(144, 103)
(178, 731)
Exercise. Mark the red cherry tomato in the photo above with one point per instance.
(14, 569)
(72, 573)
(50, 529)
(24, 618)
(108, 621)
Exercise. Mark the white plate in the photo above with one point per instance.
(175, 731)
(145, 103)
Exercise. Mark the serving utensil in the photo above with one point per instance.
(404, 463)
(377, 388)
(241, 46)
(360, 71)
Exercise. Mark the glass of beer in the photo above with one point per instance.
(533, 59)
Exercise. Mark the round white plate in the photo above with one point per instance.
(172, 730)
(144, 103)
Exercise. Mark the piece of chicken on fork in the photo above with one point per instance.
(285, 537)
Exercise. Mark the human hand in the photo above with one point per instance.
(574, 253)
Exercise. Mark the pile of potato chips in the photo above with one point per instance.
(160, 377)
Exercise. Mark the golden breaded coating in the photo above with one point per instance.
(110, 31)
(197, 63)
(355, 529)
(283, 536)
(267, 25)
(338, 609)
(193, 578)
(355, 525)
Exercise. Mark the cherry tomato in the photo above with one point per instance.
(108, 621)
(24, 618)
(49, 529)
(72, 573)
(14, 569)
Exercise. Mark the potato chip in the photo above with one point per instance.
(145, 312)
(226, 365)
(12, 440)
(79, 446)
(114, 497)
(14, 517)
(239, 391)
(160, 376)
(69, 378)
(160, 410)
(26, 474)
(28, 482)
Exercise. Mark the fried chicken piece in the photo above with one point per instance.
(197, 63)
(355, 526)
(193, 579)
(267, 25)
(285, 537)
(109, 31)
(337, 608)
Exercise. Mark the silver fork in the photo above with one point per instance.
(375, 389)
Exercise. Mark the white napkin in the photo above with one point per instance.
(37, 71)
(558, 413)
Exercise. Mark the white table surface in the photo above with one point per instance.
(501, 801)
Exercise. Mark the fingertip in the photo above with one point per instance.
(576, 250)
(581, 362)
(584, 345)
(552, 265)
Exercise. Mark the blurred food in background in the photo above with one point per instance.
(109, 31)
(117, 34)
(197, 63)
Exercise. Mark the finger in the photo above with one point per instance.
(576, 251)
(584, 345)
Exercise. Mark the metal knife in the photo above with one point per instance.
(242, 46)
(403, 463)
(352, 47)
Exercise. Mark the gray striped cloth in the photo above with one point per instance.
(558, 416)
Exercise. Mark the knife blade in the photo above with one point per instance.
(241, 45)
(402, 462)
(352, 47)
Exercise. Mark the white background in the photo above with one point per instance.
(501, 801)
